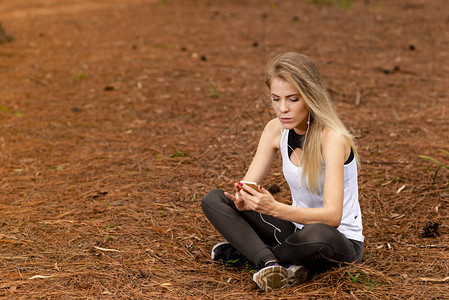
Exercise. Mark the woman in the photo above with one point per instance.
(323, 225)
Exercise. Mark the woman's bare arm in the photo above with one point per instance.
(266, 150)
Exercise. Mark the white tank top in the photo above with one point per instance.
(351, 221)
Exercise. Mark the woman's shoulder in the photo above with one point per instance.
(273, 132)
(333, 142)
(274, 125)
(332, 136)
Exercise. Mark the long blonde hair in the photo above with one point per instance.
(301, 72)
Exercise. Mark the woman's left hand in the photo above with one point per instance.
(259, 200)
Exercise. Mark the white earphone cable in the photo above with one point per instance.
(299, 164)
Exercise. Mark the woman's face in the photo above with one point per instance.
(290, 108)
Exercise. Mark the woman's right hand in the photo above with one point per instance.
(238, 200)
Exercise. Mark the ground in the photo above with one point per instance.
(118, 116)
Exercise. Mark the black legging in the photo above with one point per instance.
(262, 238)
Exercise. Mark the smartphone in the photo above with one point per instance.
(251, 184)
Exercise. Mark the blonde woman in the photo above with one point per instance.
(323, 226)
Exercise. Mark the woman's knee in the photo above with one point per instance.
(338, 246)
(319, 232)
(318, 236)
(212, 198)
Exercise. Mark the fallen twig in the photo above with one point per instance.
(400, 189)
(357, 98)
(107, 250)
(435, 279)
(41, 276)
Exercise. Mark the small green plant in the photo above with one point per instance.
(17, 113)
(353, 278)
(214, 93)
(345, 4)
(362, 278)
(79, 76)
(317, 2)
(438, 163)
(241, 263)
(177, 153)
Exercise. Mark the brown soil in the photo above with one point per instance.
(118, 116)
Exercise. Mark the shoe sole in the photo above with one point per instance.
(271, 278)
(297, 274)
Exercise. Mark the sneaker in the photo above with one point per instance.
(297, 274)
(225, 253)
(271, 278)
